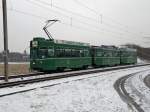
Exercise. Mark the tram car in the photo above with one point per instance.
(47, 55)
(128, 56)
(50, 54)
(105, 56)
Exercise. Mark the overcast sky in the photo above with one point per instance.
(123, 21)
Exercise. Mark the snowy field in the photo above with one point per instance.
(16, 62)
(141, 61)
(139, 91)
(91, 93)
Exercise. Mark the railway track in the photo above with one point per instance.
(42, 73)
(22, 75)
(120, 88)
(147, 81)
(26, 79)
(125, 96)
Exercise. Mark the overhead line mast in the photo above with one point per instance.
(4, 6)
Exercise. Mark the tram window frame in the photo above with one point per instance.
(50, 52)
(115, 53)
(75, 53)
(59, 52)
(81, 53)
(67, 52)
(42, 54)
(86, 53)
(99, 52)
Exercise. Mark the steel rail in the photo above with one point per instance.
(29, 89)
(23, 75)
(62, 75)
(42, 73)
(147, 81)
(125, 96)
(36, 80)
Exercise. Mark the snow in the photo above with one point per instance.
(91, 93)
(16, 62)
(141, 61)
(139, 91)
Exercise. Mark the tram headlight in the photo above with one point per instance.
(34, 43)
(33, 63)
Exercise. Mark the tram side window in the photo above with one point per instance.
(126, 54)
(43, 53)
(60, 53)
(81, 53)
(63, 53)
(75, 53)
(50, 52)
(107, 53)
(86, 53)
(115, 54)
(123, 54)
(118, 54)
(68, 52)
(110, 53)
(71, 53)
(99, 53)
(129, 54)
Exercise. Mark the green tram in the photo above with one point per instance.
(105, 56)
(58, 54)
(128, 56)
(50, 54)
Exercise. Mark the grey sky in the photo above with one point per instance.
(133, 15)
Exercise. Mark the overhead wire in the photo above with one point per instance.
(108, 31)
(45, 18)
(28, 14)
(63, 23)
(108, 18)
(62, 9)
(53, 6)
(59, 8)
(89, 18)
(83, 5)
(75, 26)
(42, 17)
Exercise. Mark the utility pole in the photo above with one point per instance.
(4, 6)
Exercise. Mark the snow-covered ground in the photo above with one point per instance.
(138, 90)
(141, 61)
(91, 93)
(16, 62)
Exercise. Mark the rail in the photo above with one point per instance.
(17, 80)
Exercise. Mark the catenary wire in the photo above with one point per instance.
(61, 10)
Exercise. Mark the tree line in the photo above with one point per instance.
(15, 57)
